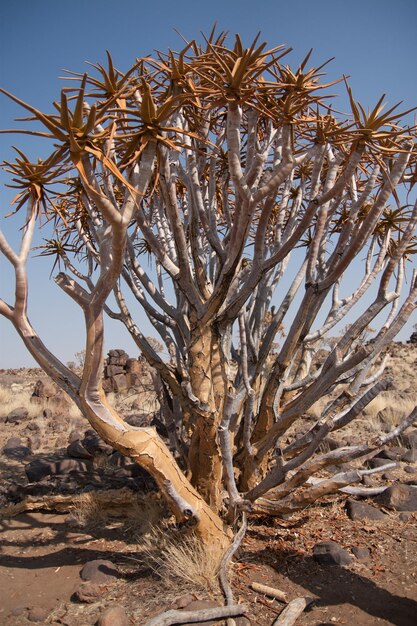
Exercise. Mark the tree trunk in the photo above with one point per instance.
(207, 385)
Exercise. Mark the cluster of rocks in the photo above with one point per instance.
(122, 373)
(87, 464)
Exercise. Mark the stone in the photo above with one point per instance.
(330, 553)
(45, 389)
(133, 366)
(139, 421)
(362, 554)
(368, 481)
(410, 438)
(360, 511)
(17, 415)
(33, 426)
(89, 592)
(198, 605)
(76, 450)
(18, 611)
(184, 601)
(93, 444)
(395, 453)
(112, 370)
(37, 470)
(74, 435)
(410, 470)
(405, 516)
(65, 466)
(410, 456)
(47, 413)
(113, 616)
(376, 462)
(99, 571)
(119, 383)
(399, 497)
(38, 614)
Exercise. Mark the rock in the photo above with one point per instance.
(112, 370)
(137, 420)
(76, 450)
(74, 435)
(376, 462)
(395, 453)
(410, 456)
(198, 605)
(93, 444)
(184, 601)
(133, 366)
(14, 448)
(38, 614)
(65, 466)
(34, 442)
(120, 383)
(368, 481)
(47, 413)
(359, 511)
(330, 553)
(410, 438)
(44, 389)
(89, 592)
(99, 571)
(405, 516)
(362, 554)
(37, 470)
(410, 470)
(399, 497)
(389, 476)
(113, 616)
(17, 415)
(18, 611)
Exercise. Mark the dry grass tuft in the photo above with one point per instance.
(138, 513)
(389, 408)
(10, 400)
(184, 563)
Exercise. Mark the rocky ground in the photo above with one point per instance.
(77, 548)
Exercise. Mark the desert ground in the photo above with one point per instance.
(86, 539)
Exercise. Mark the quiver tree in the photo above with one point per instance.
(217, 190)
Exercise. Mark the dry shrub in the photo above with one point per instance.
(389, 408)
(184, 563)
(137, 512)
(10, 400)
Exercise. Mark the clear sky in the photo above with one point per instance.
(374, 42)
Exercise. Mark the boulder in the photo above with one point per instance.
(410, 456)
(395, 453)
(37, 470)
(119, 382)
(38, 614)
(76, 450)
(399, 497)
(99, 571)
(330, 553)
(66, 466)
(362, 554)
(410, 438)
(198, 605)
(45, 389)
(358, 511)
(89, 593)
(113, 616)
(94, 444)
(19, 414)
(15, 449)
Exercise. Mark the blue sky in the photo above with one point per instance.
(373, 41)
